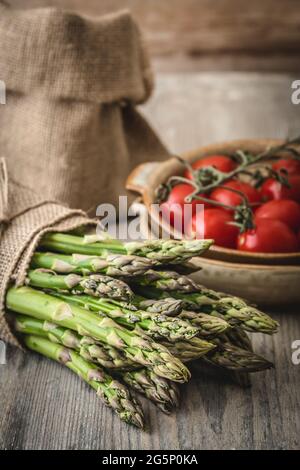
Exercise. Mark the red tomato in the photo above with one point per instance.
(285, 210)
(220, 162)
(290, 165)
(233, 199)
(214, 224)
(175, 204)
(269, 236)
(273, 189)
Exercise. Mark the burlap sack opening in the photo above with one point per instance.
(24, 218)
(70, 129)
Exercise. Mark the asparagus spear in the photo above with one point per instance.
(239, 338)
(187, 350)
(167, 306)
(140, 348)
(162, 392)
(154, 325)
(167, 281)
(208, 325)
(99, 285)
(197, 297)
(227, 356)
(96, 285)
(224, 355)
(236, 359)
(234, 310)
(105, 355)
(164, 251)
(157, 325)
(112, 392)
(110, 264)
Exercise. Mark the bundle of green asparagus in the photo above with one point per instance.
(114, 314)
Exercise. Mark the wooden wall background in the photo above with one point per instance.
(193, 35)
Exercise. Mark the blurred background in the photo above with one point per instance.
(208, 34)
(223, 68)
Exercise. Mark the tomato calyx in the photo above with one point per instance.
(243, 218)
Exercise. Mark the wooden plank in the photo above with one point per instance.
(219, 35)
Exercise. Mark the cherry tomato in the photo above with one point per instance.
(175, 205)
(269, 236)
(233, 199)
(273, 189)
(290, 165)
(220, 162)
(285, 210)
(214, 224)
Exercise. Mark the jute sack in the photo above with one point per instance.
(24, 218)
(70, 129)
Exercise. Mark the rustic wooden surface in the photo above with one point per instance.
(207, 35)
(44, 406)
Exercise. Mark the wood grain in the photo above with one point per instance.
(227, 34)
(44, 406)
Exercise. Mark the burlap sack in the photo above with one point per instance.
(69, 128)
(24, 218)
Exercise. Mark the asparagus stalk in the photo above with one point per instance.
(187, 350)
(168, 281)
(110, 264)
(91, 350)
(234, 310)
(236, 359)
(162, 392)
(113, 393)
(208, 325)
(227, 356)
(239, 338)
(168, 306)
(140, 349)
(106, 355)
(154, 325)
(164, 251)
(224, 355)
(99, 285)
(96, 285)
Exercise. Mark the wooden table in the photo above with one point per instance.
(44, 406)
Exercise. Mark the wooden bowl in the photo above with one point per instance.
(147, 177)
(264, 278)
(261, 284)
